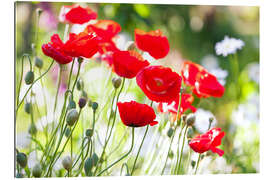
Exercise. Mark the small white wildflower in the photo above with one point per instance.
(228, 46)
(254, 72)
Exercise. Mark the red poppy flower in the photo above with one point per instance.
(186, 101)
(159, 83)
(81, 45)
(107, 46)
(134, 114)
(106, 29)
(153, 42)
(203, 83)
(76, 14)
(208, 141)
(54, 49)
(108, 58)
(128, 63)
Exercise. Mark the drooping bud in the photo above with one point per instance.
(88, 165)
(170, 132)
(193, 163)
(116, 81)
(89, 132)
(171, 154)
(80, 60)
(67, 132)
(22, 159)
(95, 159)
(38, 62)
(29, 77)
(191, 119)
(71, 104)
(72, 117)
(80, 84)
(94, 106)
(28, 107)
(67, 163)
(37, 170)
(32, 129)
(82, 102)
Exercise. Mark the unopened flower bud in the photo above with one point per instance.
(171, 154)
(32, 129)
(67, 163)
(38, 62)
(170, 132)
(89, 132)
(82, 102)
(88, 165)
(39, 11)
(28, 107)
(71, 105)
(191, 119)
(95, 159)
(80, 60)
(22, 159)
(19, 175)
(116, 82)
(67, 132)
(72, 117)
(36, 171)
(80, 84)
(211, 119)
(29, 77)
(184, 118)
(193, 163)
(94, 106)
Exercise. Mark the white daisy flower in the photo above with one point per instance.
(254, 72)
(228, 46)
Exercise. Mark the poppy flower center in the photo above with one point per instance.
(159, 82)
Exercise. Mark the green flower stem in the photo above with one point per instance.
(76, 79)
(181, 154)
(125, 155)
(109, 122)
(70, 73)
(114, 118)
(21, 76)
(71, 154)
(55, 158)
(197, 164)
(139, 150)
(168, 153)
(178, 147)
(32, 86)
(58, 87)
(188, 160)
(235, 71)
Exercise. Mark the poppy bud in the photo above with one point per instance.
(211, 119)
(116, 82)
(39, 11)
(67, 163)
(72, 117)
(80, 84)
(84, 94)
(82, 102)
(171, 154)
(95, 159)
(88, 165)
(80, 60)
(191, 119)
(190, 133)
(36, 171)
(32, 129)
(89, 132)
(90, 103)
(19, 175)
(28, 107)
(184, 117)
(38, 62)
(170, 132)
(130, 46)
(71, 105)
(29, 77)
(94, 106)
(193, 163)
(67, 132)
(22, 159)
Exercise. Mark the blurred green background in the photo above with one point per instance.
(192, 31)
